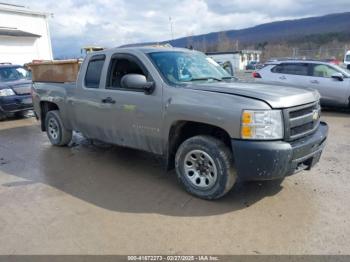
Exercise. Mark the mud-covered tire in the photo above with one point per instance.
(212, 150)
(56, 132)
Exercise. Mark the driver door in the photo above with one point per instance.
(134, 117)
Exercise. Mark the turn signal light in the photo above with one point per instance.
(247, 117)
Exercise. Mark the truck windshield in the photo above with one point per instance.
(347, 58)
(8, 74)
(181, 67)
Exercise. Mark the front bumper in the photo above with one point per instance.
(16, 103)
(267, 160)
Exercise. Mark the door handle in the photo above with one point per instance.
(108, 100)
(314, 82)
(282, 77)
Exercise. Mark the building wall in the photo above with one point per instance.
(20, 50)
(246, 58)
(238, 60)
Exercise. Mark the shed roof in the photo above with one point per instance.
(20, 9)
(7, 31)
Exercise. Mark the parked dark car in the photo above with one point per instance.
(15, 84)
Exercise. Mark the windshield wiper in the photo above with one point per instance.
(206, 78)
(229, 77)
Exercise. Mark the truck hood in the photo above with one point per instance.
(277, 96)
(19, 86)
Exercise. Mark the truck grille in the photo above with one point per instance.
(301, 121)
(21, 89)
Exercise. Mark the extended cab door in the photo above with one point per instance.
(86, 99)
(132, 117)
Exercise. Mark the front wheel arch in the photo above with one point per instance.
(182, 130)
(193, 178)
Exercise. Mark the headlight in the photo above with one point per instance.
(262, 124)
(6, 92)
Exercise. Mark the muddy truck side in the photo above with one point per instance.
(181, 105)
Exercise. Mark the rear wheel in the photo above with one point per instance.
(204, 165)
(56, 132)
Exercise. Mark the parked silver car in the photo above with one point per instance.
(331, 81)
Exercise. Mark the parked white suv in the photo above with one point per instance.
(331, 81)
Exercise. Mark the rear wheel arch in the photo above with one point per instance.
(57, 133)
(46, 106)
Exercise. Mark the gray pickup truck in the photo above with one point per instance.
(182, 105)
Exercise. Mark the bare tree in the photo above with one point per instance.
(224, 42)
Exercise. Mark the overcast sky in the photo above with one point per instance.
(116, 22)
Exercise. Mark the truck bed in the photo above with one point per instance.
(56, 71)
(53, 86)
(51, 92)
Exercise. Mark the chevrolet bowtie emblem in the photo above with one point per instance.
(315, 115)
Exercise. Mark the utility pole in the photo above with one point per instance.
(171, 28)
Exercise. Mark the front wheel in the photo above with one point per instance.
(56, 132)
(204, 165)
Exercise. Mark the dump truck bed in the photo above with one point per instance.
(55, 71)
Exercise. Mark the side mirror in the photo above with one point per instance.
(228, 67)
(338, 76)
(138, 82)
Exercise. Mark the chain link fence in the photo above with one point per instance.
(320, 53)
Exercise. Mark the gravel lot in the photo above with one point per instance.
(101, 199)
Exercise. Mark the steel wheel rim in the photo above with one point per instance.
(53, 128)
(200, 169)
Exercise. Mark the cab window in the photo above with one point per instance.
(120, 66)
(94, 70)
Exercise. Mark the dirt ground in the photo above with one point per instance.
(101, 199)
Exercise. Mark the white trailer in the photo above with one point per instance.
(236, 60)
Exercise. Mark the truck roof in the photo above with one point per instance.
(145, 49)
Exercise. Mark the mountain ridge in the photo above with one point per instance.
(276, 31)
